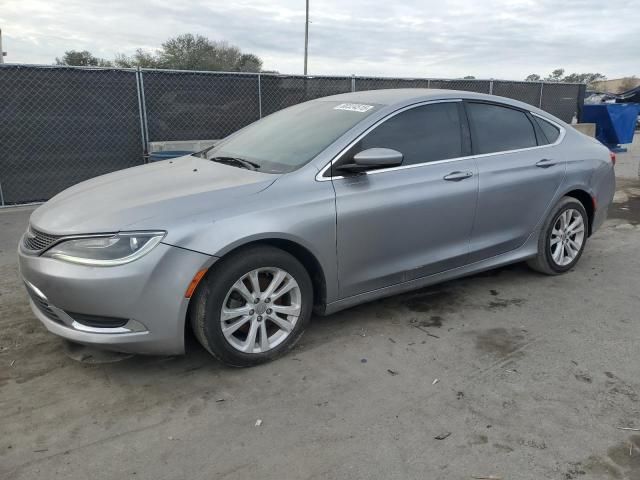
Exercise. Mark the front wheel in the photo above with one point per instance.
(253, 307)
(563, 238)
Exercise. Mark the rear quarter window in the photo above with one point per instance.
(550, 131)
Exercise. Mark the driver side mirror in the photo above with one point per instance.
(373, 159)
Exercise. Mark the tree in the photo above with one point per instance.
(248, 62)
(469, 77)
(184, 52)
(81, 59)
(587, 78)
(189, 52)
(193, 52)
(558, 76)
(139, 59)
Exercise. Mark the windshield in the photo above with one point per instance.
(290, 138)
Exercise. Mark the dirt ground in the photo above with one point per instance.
(508, 374)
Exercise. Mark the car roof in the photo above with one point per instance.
(406, 96)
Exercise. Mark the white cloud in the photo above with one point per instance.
(448, 38)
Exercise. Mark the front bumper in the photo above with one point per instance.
(147, 294)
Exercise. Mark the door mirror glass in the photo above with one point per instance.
(373, 158)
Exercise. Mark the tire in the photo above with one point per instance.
(222, 287)
(546, 260)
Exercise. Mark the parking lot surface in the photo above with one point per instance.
(509, 374)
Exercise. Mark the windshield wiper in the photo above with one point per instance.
(238, 162)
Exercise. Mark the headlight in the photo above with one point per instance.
(107, 250)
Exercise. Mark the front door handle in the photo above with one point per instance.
(545, 163)
(457, 176)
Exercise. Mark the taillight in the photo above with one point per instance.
(612, 156)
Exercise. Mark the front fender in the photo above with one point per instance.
(302, 212)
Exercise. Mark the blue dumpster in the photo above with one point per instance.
(166, 155)
(615, 122)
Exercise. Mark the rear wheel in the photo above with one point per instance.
(253, 307)
(563, 238)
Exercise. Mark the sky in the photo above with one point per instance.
(506, 39)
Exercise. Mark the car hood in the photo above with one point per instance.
(148, 196)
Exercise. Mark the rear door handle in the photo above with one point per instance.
(457, 176)
(545, 163)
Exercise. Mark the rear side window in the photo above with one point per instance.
(422, 134)
(551, 132)
(497, 129)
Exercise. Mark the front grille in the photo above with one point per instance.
(43, 305)
(38, 241)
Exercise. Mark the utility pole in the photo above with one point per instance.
(306, 37)
(2, 52)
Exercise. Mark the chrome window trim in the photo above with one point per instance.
(320, 175)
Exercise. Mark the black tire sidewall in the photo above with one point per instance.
(220, 282)
(568, 203)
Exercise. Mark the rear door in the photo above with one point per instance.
(519, 175)
(406, 222)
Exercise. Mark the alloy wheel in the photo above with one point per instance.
(260, 310)
(567, 237)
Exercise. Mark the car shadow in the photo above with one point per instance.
(431, 303)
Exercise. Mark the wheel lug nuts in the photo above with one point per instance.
(256, 300)
(259, 318)
(251, 312)
(267, 300)
(269, 310)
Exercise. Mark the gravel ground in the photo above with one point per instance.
(526, 377)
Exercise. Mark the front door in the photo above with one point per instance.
(411, 221)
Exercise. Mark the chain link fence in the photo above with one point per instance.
(62, 125)
(198, 105)
(281, 91)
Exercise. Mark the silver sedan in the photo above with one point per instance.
(316, 208)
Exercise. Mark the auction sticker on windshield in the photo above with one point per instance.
(353, 107)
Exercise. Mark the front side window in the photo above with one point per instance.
(498, 129)
(286, 140)
(422, 134)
